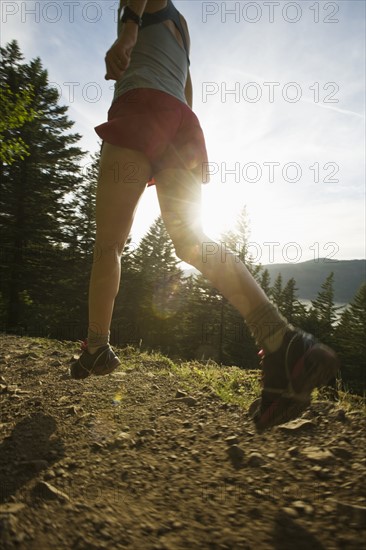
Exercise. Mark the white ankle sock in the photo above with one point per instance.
(267, 326)
(96, 340)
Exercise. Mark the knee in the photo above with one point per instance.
(187, 253)
(189, 249)
(108, 249)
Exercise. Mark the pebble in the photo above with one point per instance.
(342, 452)
(340, 415)
(188, 400)
(232, 440)
(318, 455)
(147, 431)
(293, 451)
(235, 452)
(47, 491)
(303, 507)
(297, 425)
(255, 459)
(290, 512)
(11, 508)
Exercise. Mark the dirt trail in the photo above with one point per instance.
(124, 461)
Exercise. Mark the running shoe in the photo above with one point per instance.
(103, 361)
(289, 375)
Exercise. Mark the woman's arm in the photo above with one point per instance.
(189, 90)
(118, 56)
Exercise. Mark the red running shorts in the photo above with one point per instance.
(165, 129)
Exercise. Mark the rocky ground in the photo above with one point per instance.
(139, 460)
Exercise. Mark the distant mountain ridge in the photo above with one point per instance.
(309, 276)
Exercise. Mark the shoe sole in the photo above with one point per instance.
(112, 366)
(289, 405)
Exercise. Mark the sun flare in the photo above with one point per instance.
(220, 210)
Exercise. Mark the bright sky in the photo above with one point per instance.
(279, 92)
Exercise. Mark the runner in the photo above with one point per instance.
(152, 137)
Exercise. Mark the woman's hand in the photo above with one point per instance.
(118, 56)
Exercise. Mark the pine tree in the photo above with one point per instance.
(276, 292)
(323, 313)
(350, 342)
(265, 281)
(74, 272)
(291, 308)
(32, 203)
(156, 290)
(15, 111)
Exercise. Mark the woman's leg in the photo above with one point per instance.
(294, 363)
(179, 196)
(123, 174)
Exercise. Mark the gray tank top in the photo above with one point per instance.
(158, 61)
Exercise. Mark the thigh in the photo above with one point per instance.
(123, 174)
(180, 195)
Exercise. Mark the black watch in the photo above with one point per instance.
(130, 14)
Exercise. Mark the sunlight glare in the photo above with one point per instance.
(220, 209)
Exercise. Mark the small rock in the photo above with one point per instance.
(64, 399)
(342, 452)
(47, 491)
(340, 415)
(120, 440)
(322, 473)
(232, 440)
(290, 512)
(297, 425)
(74, 409)
(255, 459)
(139, 442)
(302, 507)
(293, 451)
(181, 393)
(318, 455)
(188, 400)
(255, 513)
(147, 431)
(11, 508)
(236, 453)
(124, 475)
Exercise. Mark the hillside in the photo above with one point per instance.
(163, 456)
